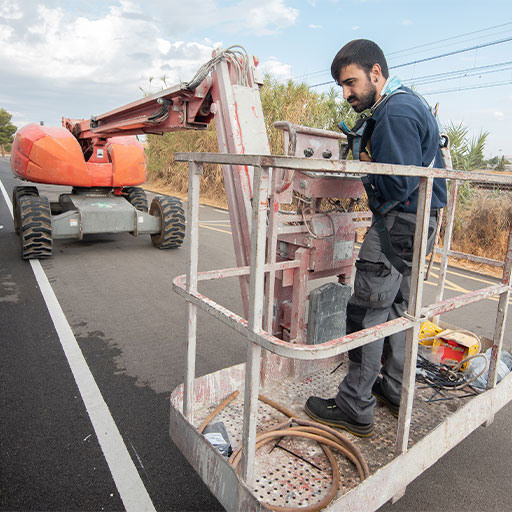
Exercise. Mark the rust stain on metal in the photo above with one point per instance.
(240, 138)
(284, 480)
(305, 243)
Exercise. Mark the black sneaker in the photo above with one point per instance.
(327, 412)
(377, 392)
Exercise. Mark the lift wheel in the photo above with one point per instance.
(35, 227)
(137, 198)
(170, 211)
(17, 193)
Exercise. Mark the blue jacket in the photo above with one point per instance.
(406, 133)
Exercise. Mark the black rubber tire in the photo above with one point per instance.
(35, 227)
(137, 198)
(16, 194)
(170, 211)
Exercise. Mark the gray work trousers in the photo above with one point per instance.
(381, 293)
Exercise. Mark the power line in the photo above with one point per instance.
(454, 75)
(323, 83)
(458, 71)
(314, 73)
(418, 82)
(484, 45)
(472, 40)
(450, 38)
(492, 43)
(456, 89)
(464, 76)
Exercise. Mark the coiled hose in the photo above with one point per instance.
(325, 436)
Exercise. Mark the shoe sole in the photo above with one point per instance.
(391, 407)
(363, 432)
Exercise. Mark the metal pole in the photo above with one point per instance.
(414, 311)
(450, 217)
(271, 253)
(300, 281)
(192, 237)
(501, 318)
(436, 240)
(256, 296)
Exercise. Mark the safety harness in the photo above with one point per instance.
(358, 138)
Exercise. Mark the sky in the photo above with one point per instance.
(81, 58)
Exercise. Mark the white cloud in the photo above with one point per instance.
(20, 118)
(49, 21)
(10, 10)
(499, 115)
(314, 26)
(130, 7)
(405, 22)
(276, 68)
(5, 33)
(261, 18)
(124, 49)
(163, 45)
(60, 58)
(271, 16)
(356, 27)
(126, 43)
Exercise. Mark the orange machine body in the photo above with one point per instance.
(53, 155)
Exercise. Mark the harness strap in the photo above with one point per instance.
(358, 136)
(379, 210)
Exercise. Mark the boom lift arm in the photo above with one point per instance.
(227, 88)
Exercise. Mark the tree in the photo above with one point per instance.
(500, 166)
(493, 162)
(467, 155)
(7, 129)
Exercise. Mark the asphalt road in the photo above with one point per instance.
(115, 292)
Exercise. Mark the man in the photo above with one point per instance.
(404, 132)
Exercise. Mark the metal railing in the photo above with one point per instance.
(252, 327)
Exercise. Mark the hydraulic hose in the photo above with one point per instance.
(219, 408)
(325, 436)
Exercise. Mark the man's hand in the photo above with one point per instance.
(364, 157)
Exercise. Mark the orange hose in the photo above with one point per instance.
(325, 436)
(216, 411)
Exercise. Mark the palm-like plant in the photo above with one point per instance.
(467, 154)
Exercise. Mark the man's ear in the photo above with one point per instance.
(375, 73)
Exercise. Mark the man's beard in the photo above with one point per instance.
(364, 100)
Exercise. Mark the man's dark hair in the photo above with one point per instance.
(364, 53)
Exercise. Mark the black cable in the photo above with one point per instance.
(449, 38)
(314, 73)
(467, 88)
(455, 52)
(438, 376)
(460, 73)
(458, 77)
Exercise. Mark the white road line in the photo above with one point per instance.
(128, 482)
(6, 197)
(214, 221)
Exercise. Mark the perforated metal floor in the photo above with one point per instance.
(302, 478)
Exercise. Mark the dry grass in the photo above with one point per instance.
(164, 172)
(482, 225)
(291, 102)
